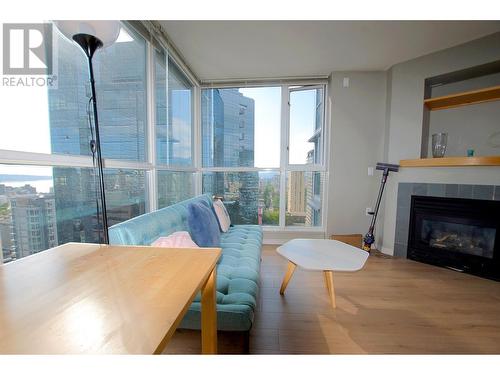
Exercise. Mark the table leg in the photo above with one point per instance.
(330, 287)
(209, 316)
(327, 283)
(288, 276)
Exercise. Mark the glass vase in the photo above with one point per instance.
(439, 141)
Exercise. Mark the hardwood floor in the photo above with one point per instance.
(391, 306)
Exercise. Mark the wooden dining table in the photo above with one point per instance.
(99, 299)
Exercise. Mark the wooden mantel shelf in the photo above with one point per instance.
(452, 162)
(463, 98)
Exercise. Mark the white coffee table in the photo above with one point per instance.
(321, 255)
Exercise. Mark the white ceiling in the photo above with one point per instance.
(262, 49)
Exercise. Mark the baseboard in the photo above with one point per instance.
(273, 241)
(387, 251)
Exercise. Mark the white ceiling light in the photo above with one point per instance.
(106, 31)
(124, 36)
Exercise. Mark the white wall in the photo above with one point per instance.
(407, 90)
(474, 127)
(356, 142)
(379, 118)
(405, 116)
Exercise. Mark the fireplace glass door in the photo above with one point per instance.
(463, 238)
(462, 234)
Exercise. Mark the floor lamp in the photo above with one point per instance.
(90, 36)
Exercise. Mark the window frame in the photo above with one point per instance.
(150, 165)
(321, 129)
(284, 166)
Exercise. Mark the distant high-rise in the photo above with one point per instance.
(34, 223)
(6, 235)
(120, 86)
(228, 141)
(296, 199)
(228, 128)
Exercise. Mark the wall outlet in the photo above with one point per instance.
(370, 171)
(368, 211)
(345, 82)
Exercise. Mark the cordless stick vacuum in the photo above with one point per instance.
(369, 238)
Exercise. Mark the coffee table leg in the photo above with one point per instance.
(330, 287)
(288, 276)
(209, 316)
(327, 283)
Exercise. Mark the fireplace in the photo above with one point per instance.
(461, 234)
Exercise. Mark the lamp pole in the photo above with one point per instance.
(90, 44)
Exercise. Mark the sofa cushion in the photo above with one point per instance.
(222, 215)
(203, 225)
(238, 272)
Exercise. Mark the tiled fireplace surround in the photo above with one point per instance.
(407, 189)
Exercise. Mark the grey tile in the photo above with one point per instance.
(465, 191)
(483, 192)
(400, 250)
(405, 186)
(451, 190)
(402, 224)
(436, 190)
(403, 212)
(497, 193)
(404, 193)
(419, 189)
(402, 233)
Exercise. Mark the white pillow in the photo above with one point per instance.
(222, 215)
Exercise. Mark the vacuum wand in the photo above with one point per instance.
(369, 238)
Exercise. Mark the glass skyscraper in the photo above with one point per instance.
(121, 96)
(228, 136)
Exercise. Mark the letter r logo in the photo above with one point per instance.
(27, 48)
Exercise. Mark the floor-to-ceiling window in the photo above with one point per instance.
(262, 150)
(47, 181)
(305, 156)
(163, 140)
(174, 106)
(120, 74)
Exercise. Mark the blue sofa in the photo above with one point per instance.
(238, 268)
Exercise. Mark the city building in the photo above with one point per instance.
(6, 234)
(296, 199)
(34, 223)
(313, 182)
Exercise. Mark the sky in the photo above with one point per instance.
(267, 124)
(24, 125)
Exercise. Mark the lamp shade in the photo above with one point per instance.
(106, 31)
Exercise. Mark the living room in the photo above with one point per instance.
(298, 185)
